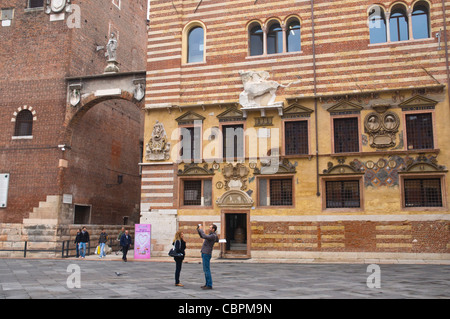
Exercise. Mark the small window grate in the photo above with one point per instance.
(419, 131)
(342, 194)
(192, 193)
(423, 192)
(346, 136)
(296, 137)
(280, 192)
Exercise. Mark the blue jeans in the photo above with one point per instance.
(102, 250)
(206, 258)
(82, 249)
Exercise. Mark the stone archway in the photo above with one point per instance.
(83, 93)
(101, 146)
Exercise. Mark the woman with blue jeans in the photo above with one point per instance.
(207, 248)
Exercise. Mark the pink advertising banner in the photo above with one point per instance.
(142, 237)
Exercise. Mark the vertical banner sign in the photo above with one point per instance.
(4, 184)
(142, 237)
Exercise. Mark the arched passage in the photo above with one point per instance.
(102, 143)
(74, 115)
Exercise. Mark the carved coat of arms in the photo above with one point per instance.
(56, 6)
(158, 148)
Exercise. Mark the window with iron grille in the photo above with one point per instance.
(197, 192)
(192, 193)
(296, 137)
(190, 143)
(346, 135)
(423, 192)
(343, 194)
(233, 141)
(281, 192)
(419, 131)
(24, 123)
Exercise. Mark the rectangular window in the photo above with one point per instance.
(190, 143)
(275, 192)
(342, 194)
(423, 192)
(419, 131)
(280, 192)
(296, 137)
(233, 142)
(346, 135)
(35, 3)
(197, 192)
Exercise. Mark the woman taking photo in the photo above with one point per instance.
(180, 246)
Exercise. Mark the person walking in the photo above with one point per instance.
(77, 242)
(122, 231)
(125, 242)
(102, 240)
(84, 239)
(180, 247)
(207, 248)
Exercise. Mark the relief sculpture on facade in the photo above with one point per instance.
(56, 6)
(158, 148)
(259, 91)
(381, 129)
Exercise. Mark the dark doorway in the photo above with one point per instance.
(235, 234)
(82, 214)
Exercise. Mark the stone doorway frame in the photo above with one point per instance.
(223, 251)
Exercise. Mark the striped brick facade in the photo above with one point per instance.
(158, 187)
(337, 74)
(345, 60)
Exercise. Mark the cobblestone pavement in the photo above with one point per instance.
(106, 279)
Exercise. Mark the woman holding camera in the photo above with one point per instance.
(180, 246)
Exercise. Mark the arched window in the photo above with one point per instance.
(421, 21)
(195, 45)
(24, 123)
(256, 40)
(377, 25)
(293, 36)
(275, 39)
(398, 24)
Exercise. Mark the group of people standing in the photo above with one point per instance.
(82, 239)
(206, 251)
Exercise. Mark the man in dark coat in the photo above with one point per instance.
(84, 239)
(125, 242)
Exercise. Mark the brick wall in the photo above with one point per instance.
(37, 56)
(345, 59)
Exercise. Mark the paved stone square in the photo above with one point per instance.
(106, 279)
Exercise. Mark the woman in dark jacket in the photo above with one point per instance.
(180, 246)
(77, 242)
